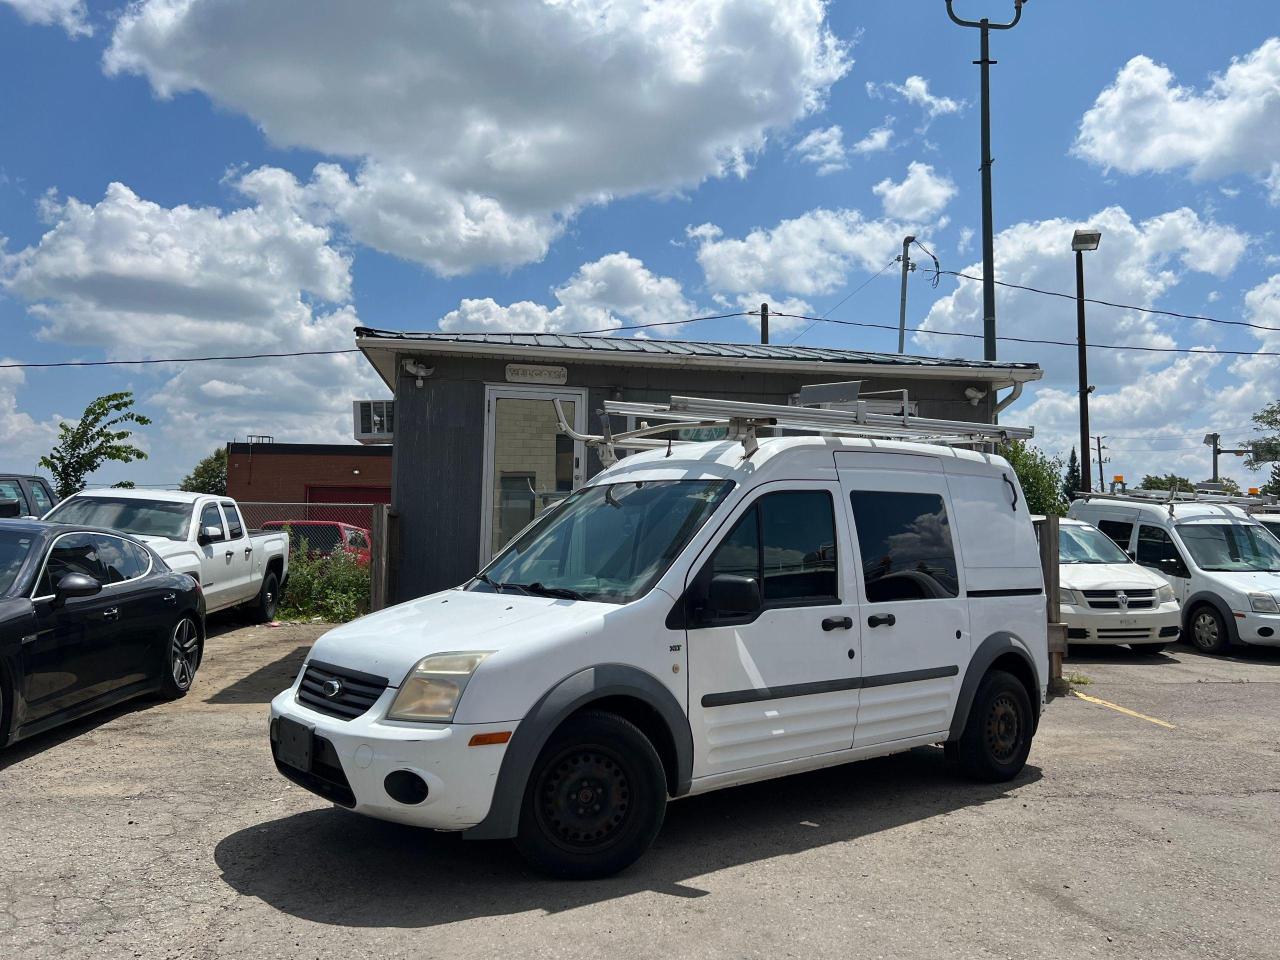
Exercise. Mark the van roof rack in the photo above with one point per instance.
(744, 420)
(1175, 496)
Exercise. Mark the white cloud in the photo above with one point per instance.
(25, 438)
(71, 15)
(876, 140)
(478, 129)
(139, 280)
(921, 195)
(1137, 263)
(810, 254)
(615, 290)
(824, 149)
(915, 90)
(1143, 122)
(966, 238)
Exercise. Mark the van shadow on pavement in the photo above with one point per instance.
(332, 866)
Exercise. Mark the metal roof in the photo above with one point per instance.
(686, 348)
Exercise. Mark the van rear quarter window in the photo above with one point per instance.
(905, 544)
(1121, 531)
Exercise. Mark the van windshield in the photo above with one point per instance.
(142, 518)
(1087, 545)
(609, 542)
(1230, 547)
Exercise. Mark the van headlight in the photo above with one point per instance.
(1070, 597)
(1165, 594)
(434, 686)
(1263, 603)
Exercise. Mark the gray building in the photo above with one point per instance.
(476, 448)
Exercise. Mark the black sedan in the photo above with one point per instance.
(88, 618)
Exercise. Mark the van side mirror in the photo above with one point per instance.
(1172, 567)
(730, 595)
(75, 585)
(209, 534)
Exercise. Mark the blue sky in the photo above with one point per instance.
(286, 170)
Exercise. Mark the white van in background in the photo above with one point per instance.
(1106, 598)
(697, 616)
(1223, 565)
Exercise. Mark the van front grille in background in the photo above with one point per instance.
(355, 692)
(1108, 599)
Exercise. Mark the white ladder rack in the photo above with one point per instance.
(1171, 498)
(743, 420)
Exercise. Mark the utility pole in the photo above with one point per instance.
(764, 323)
(988, 232)
(1101, 461)
(1081, 241)
(907, 265)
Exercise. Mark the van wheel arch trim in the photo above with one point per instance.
(987, 652)
(1205, 597)
(560, 702)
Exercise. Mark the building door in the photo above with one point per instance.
(529, 465)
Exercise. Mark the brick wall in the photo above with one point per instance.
(286, 472)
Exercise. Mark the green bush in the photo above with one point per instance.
(333, 588)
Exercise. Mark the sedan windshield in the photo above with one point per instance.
(610, 542)
(14, 548)
(1230, 547)
(1087, 545)
(143, 518)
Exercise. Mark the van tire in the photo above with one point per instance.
(599, 775)
(263, 609)
(997, 735)
(1207, 631)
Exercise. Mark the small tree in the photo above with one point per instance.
(1167, 482)
(1265, 449)
(209, 475)
(1040, 476)
(1272, 486)
(95, 439)
(1071, 484)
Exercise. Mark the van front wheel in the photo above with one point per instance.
(595, 799)
(997, 735)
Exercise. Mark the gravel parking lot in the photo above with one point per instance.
(162, 830)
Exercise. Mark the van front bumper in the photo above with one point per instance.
(1262, 629)
(1161, 624)
(351, 760)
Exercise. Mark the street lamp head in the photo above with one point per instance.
(1086, 240)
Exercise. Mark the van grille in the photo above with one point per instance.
(1109, 599)
(357, 692)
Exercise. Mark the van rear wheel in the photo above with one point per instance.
(595, 800)
(997, 735)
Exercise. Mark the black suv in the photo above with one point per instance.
(25, 496)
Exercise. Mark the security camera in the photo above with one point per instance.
(975, 395)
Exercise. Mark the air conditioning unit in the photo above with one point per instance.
(375, 420)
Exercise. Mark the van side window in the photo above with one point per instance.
(786, 542)
(1118, 530)
(905, 543)
(1156, 549)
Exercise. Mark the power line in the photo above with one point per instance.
(843, 300)
(1053, 343)
(1109, 303)
(660, 323)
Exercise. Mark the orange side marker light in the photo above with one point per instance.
(489, 739)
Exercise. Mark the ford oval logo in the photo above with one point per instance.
(331, 688)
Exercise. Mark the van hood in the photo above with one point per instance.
(1257, 581)
(388, 643)
(1108, 576)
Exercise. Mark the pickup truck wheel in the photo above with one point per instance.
(595, 799)
(264, 608)
(997, 735)
(182, 659)
(1208, 631)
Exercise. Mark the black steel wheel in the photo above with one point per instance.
(1208, 631)
(182, 658)
(268, 600)
(595, 799)
(997, 734)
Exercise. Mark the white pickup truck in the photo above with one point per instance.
(197, 534)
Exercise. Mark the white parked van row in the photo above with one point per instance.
(1223, 566)
(197, 534)
(1107, 598)
(694, 618)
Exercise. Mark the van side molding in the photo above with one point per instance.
(569, 695)
(990, 650)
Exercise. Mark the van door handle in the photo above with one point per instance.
(882, 620)
(837, 623)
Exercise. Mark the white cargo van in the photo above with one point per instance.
(1223, 565)
(699, 615)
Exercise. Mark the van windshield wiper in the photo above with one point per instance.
(499, 586)
(543, 590)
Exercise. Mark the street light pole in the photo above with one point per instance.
(902, 300)
(1081, 241)
(988, 231)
